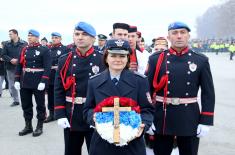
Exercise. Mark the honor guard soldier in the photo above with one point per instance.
(56, 50)
(32, 75)
(74, 70)
(101, 43)
(175, 76)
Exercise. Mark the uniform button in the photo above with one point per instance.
(169, 82)
(25, 55)
(74, 64)
(33, 55)
(188, 83)
(168, 62)
(167, 72)
(75, 84)
(94, 54)
(74, 56)
(90, 74)
(73, 74)
(189, 54)
(168, 54)
(34, 61)
(189, 62)
(168, 92)
(33, 66)
(189, 72)
(90, 64)
(186, 94)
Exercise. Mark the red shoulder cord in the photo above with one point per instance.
(158, 86)
(22, 57)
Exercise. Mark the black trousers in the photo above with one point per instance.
(74, 141)
(163, 144)
(50, 93)
(27, 103)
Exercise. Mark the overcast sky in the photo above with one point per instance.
(152, 17)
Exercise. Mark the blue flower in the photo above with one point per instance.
(131, 118)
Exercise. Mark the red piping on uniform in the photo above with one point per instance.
(182, 52)
(45, 77)
(59, 107)
(89, 52)
(207, 113)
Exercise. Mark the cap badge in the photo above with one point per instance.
(119, 43)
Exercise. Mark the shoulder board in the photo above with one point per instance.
(200, 54)
(141, 75)
(96, 75)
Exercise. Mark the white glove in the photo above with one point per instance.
(17, 85)
(151, 130)
(63, 123)
(202, 130)
(41, 86)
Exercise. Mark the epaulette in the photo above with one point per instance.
(141, 75)
(94, 76)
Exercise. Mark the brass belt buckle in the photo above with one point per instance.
(175, 101)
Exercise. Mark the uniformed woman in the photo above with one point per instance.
(120, 82)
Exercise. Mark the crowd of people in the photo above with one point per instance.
(160, 83)
(214, 45)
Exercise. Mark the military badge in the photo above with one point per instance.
(119, 43)
(95, 69)
(117, 120)
(58, 52)
(192, 67)
(37, 52)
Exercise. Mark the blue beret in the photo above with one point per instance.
(178, 25)
(118, 46)
(34, 32)
(89, 29)
(55, 34)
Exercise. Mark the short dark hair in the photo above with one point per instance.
(107, 65)
(14, 31)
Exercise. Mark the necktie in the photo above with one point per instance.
(115, 81)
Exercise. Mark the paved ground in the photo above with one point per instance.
(219, 141)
